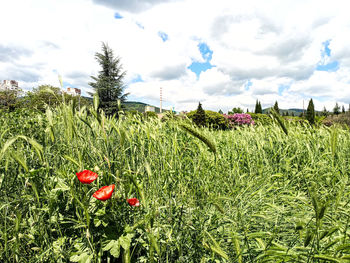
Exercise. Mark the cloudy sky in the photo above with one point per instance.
(224, 53)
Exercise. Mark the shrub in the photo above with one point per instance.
(262, 119)
(342, 119)
(239, 119)
(212, 119)
(150, 114)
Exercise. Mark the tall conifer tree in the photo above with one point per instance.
(276, 107)
(109, 83)
(310, 112)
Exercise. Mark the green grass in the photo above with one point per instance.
(261, 196)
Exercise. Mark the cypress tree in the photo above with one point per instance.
(343, 109)
(324, 111)
(276, 107)
(199, 116)
(336, 109)
(109, 82)
(258, 108)
(310, 112)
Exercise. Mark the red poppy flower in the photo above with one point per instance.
(86, 176)
(104, 192)
(134, 202)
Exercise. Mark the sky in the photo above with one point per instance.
(224, 53)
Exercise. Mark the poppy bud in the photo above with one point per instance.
(134, 202)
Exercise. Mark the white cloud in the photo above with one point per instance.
(269, 43)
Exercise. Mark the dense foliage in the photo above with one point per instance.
(212, 119)
(108, 85)
(253, 194)
(199, 117)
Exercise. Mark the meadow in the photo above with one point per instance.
(250, 194)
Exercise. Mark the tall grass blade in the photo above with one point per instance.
(201, 137)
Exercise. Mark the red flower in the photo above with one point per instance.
(104, 192)
(86, 176)
(134, 202)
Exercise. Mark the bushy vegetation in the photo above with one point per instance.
(212, 119)
(339, 119)
(253, 194)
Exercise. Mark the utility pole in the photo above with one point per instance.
(160, 108)
(303, 109)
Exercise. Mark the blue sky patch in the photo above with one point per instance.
(117, 15)
(326, 51)
(282, 88)
(137, 79)
(325, 56)
(248, 85)
(163, 36)
(332, 66)
(198, 67)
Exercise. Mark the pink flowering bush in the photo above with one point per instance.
(239, 119)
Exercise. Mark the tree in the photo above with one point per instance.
(9, 98)
(199, 116)
(108, 85)
(221, 112)
(276, 107)
(343, 109)
(42, 96)
(336, 109)
(235, 110)
(324, 112)
(258, 108)
(310, 112)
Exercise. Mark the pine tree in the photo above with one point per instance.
(276, 107)
(199, 116)
(109, 82)
(336, 109)
(310, 112)
(221, 112)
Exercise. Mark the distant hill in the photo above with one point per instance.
(133, 105)
(139, 106)
(296, 112)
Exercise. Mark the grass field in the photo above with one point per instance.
(255, 195)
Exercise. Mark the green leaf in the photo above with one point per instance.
(68, 158)
(113, 247)
(125, 240)
(81, 258)
(327, 258)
